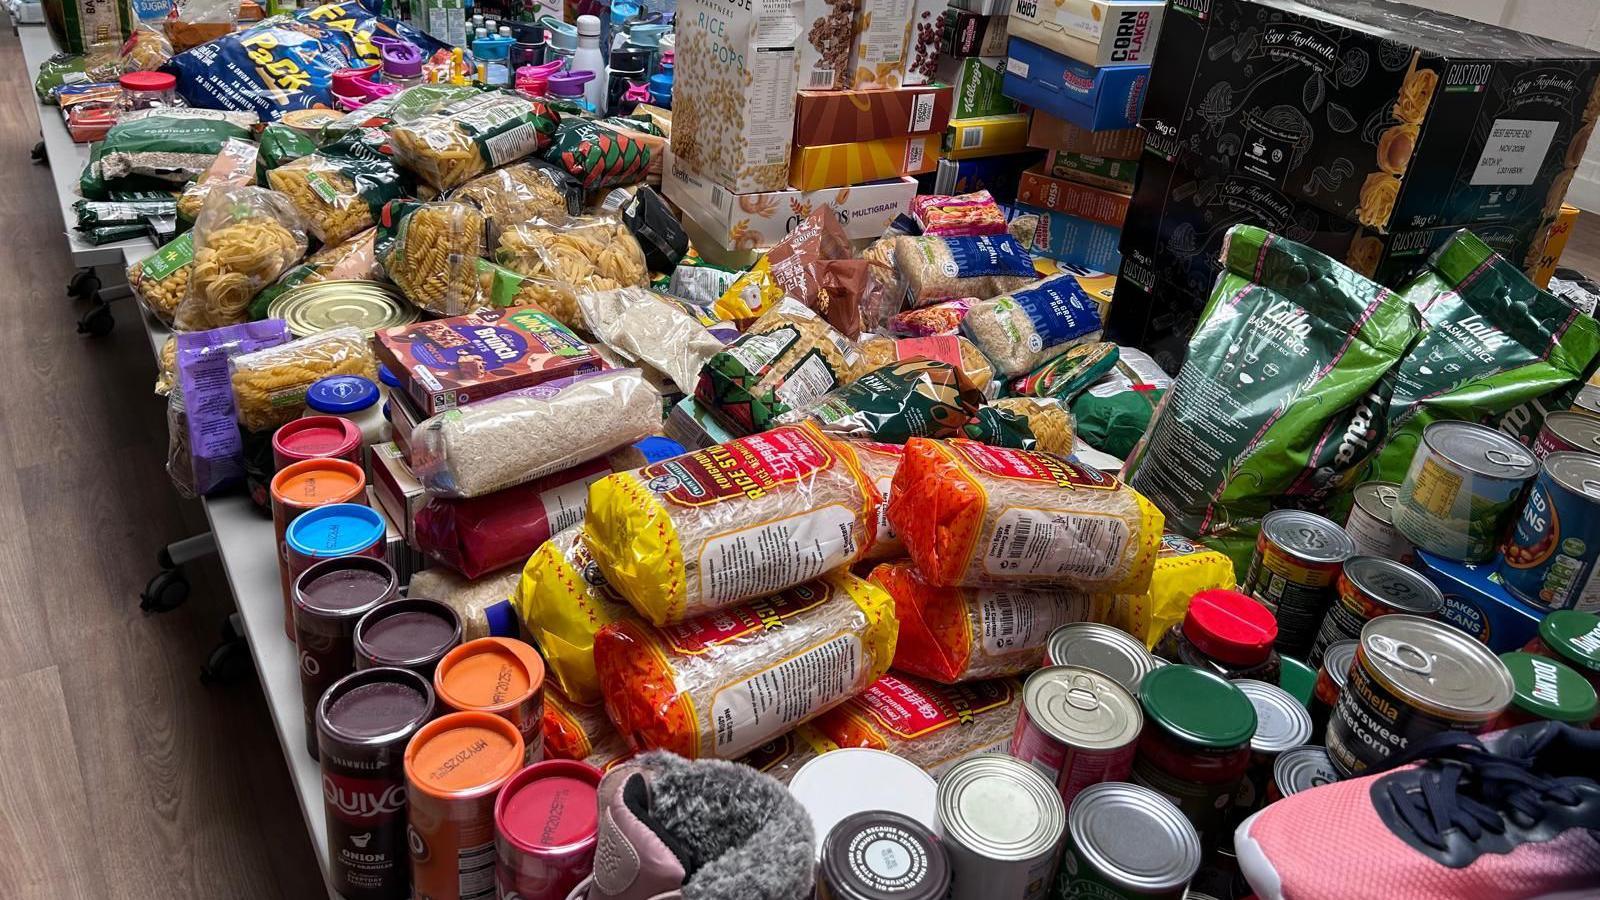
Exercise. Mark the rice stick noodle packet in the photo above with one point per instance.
(963, 634)
(563, 600)
(972, 515)
(735, 521)
(879, 462)
(573, 730)
(722, 685)
(932, 726)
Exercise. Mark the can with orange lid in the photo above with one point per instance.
(316, 437)
(546, 826)
(455, 766)
(305, 485)
(501, 676)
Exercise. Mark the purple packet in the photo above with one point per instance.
(205, 391)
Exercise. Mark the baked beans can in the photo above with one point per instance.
(1300, 769)
(881, 855)
(414, 634)
(546, 823)
(1371, 522)
(1412, 678)
(1106, 649)
(1564, 431)
(1297, 559)
(1077, 727)
(1462, 489)
(329, 599)
(1551, 556)
(316, 437)
(455, 765)
(1126, 841)
(1369, 587)
(364, 722)
(332, 531)
(498, 675)
(302, 486)
(1333, 673)
(1002, 824)
(1282, 724)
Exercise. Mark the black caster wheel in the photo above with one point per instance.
(38, 154)
(83, 284)
(167, 591)
(97, 322)
(230, 659)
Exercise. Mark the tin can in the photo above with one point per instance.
(1300, 769)
(414, 634)
(1332, 675)
(368, 305)
(1545, 689)
(329, 599)
(316, 437)
(840, 783)
(498, 675)
(328, 532)
(306, 485)
(1461, 490)
(1588, 401)
(1371, 522)
(1550, 558)
(1564, 431)
(1572, 637)
(1370, 587)
(880, 855)
(1110, 651)
(1077, 727)
(1281, 724)
(546, 823)
(1002, 824)
(363, 724)
(1126, 841)
(455, 765)
(1196, 743)
(1412, 678)
(1298, 556)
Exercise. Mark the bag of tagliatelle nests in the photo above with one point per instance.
(972, 515)
(930, 725)
(1288, 341)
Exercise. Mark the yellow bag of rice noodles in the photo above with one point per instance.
(1184, 567)
(563, 600)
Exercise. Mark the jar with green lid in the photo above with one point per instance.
(1195, 746)
(1298, 679)
(1572, 637)
(1544, 688)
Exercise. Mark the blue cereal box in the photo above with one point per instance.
(1096, 99)
(1476, 602)
(1069, 239)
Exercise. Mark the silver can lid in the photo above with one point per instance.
(1337, 658)
(1000, 808)
(1480, 450)
(1378, 498)
(1576, 471)
(1110, 651)
(1134, 838)
(1396, 585)
(1307, 536)
(1082, 708)
(1576, 429)
(1282, 721)
(1436, 667)
(1302, 768)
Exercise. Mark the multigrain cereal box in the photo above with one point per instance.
(733, 106)
(1391, 116)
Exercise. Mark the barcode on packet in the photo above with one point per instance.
(721, 198)
(1008, 618)
(820, 79)
(1019, 539)
(972, 137)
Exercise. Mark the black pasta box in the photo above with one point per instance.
(1391, 116)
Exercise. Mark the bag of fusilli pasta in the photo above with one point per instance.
(234, 166)
(244, 239)
(468, 138)
(499, 287)
(431, 251)
(528, 190)
(340, 189)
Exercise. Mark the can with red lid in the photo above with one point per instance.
(316, 437)
(329, 599)
(414, 634)
(1225, 632)
(302, 486)
(455, 765)
(1078, 727)
(502, 676)
(546, 823)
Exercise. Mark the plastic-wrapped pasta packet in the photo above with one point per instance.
(933, 269)
(950, 348)
(894, 403)
(1067, 375)
(602, 155)
(1026, 423)
(964, 634)
(1184, 567)
(167, 366)
(935, 319)
(244, 239)
(1020, 330)
(735, 521)
(270, 385)
(879, 463)
(573, 730)
(280, 144)
(931, 725)
(563, 599)
(235, 166)
(467, 138)
(499, 287)
(430, 250)
(482, 604)
(354, 260)
(649, 329)
(972, 515)
(688, 687)
(160, 281)
(589, 253)
(341, 189)
(521, 192)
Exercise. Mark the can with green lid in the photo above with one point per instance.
(1125, 841)
(319, 306)
(1572, 637)
(1196, 742)
(1545, 688)
(1298, 679)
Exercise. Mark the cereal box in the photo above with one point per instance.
(922, 42)
(878, 57)
(1096, 32)
(1555, 242)
(986, 136)
(1047, 132)
(827, 29)
(977, 81)
(836, 117)
(1040, 189)
(970, 34)
(1097, 99)
(841, 165)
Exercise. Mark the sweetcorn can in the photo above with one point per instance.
(1126, 841)
(302, 486)
(455, 767)
(1001, 823)
(1553, 552)
(546, 826)
(1077, 727)
(1462, 489)
(498, 675)
(1298, 557)
(1565, 430)
(1371, 522)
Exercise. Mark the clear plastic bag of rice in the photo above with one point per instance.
(735, 521)
(1028, 326)
(483, 604)
(650, 329)
(935, 269)
(516, 437)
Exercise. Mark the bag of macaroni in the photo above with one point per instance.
(972, 515)
(725, 683)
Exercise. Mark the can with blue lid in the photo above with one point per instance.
(334, 530)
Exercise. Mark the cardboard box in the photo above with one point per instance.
(398, 491)
(1070, 239)
(1097, 99)
(1059, 195)
(1096, 32)
(827, 28)
(733, 100)
(404, 417)
(1392, 116)
(843, 165)
(996, 174)
(976, 82)
(1047, 132)
(1477, 603)
(983, 7)
(400, 555)
(1555, 242)
(922, 42)
(986, 136)
(878, 50)
(971, 34)
(837, 117)
(1097, 171)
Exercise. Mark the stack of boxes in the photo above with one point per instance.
(1371, 131)
(1083, 66)
(985, 146)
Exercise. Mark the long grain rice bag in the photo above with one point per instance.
(723, 684)
(563, 600)
(978, 516)
(483, 604)
(575, 731)
(964, 634)
(878, 463)
(732, 522)
(930, 725)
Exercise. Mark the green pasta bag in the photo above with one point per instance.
(597, 155)
(1289, 340)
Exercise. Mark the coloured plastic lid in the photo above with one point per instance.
(550, 805)
(487, 674)
(589, 26)
(463, 754)
(401, 59)
(1198, 707)
(1547, 689)
(318, 481)
(1575, 636)
(148, 81)
(1229, 626)
(341, 394)
(657, 448)
(387, 377)
(570, 84)
(337, 529)
(1299, 679)
(313, 436)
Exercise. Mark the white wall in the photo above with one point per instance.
(1572, 21)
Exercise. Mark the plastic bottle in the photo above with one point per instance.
(573, 87)
(661, 91)
(402, 64)
(528, 49)
(534, 81)
(628, 65)
(621, 13)
(588, 59)
(562, 38)
(491, 52)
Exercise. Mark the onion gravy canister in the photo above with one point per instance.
(306, 485)
(455, 767)
(414, 634)
(329, 599)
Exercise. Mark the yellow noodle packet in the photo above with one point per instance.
(563, 599)
(1184, 567)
